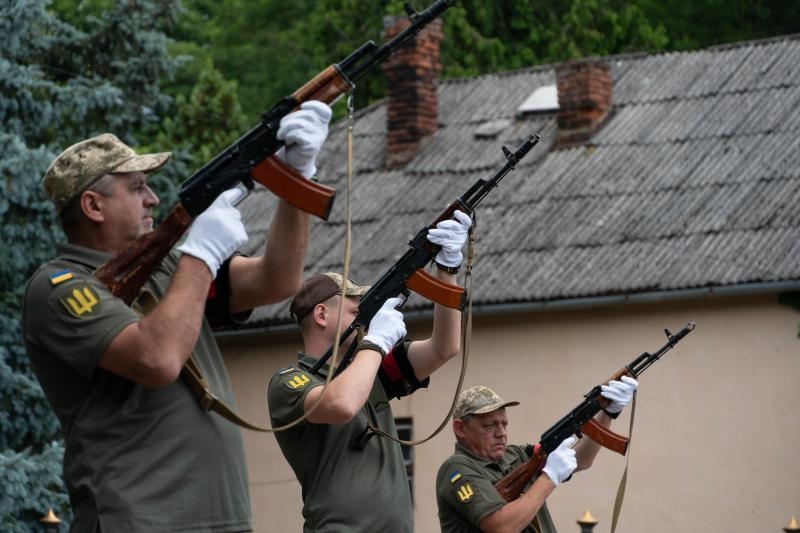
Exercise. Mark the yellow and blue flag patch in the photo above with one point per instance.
(60, 277)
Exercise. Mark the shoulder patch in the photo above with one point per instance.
(82, 301)
(60, 277)
(295, 380)
(455, 477)
(286, 370)
(465, 493)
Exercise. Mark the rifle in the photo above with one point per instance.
(407, 273)
(580, 421)
(251, 158)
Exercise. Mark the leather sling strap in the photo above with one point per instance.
(208, 400)
(623, 481)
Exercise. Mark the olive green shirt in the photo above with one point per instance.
(136, 458)
(344, 489)
(465, 490)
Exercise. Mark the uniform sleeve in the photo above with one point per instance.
(287, 393)
(75, 320)
(466, 492)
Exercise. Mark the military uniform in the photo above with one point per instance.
(136, 458)
(465, 490)
(344, 488)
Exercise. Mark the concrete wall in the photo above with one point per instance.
(717, 421)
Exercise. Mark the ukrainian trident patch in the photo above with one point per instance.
(297, 381)
(81, 302)
(465, 493)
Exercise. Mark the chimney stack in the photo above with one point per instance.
(584, 100)
(411, 79)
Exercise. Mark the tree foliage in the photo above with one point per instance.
(62, 79)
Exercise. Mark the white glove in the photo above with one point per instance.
(216, 232)
(387, 326)
(451, 235)
(304, 131)
(561, 462)
(619, 392)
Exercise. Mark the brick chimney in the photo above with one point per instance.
(411, 76)
(584, 100)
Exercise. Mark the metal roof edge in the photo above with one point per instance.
(568, 304)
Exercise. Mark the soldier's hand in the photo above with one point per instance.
(216, 232)
(561, 462)
(619, 392)
(451, 235)
(387, 326)
(304, 131)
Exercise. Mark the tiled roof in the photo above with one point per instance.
(693, 182)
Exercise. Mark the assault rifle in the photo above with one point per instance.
(251, 158)
(580, 422)
(407, 273)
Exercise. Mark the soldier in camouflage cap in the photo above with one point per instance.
(112, 370)
(465, 485)
(478, 400)
(83, 163)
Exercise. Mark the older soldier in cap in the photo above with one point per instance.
(140, 453)
(352, 478)
(465, 493)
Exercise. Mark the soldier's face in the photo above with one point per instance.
(485, 435)
(330, 315)
(130, 207)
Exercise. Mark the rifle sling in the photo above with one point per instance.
(623, 481)
(208, 400)
(143, 305)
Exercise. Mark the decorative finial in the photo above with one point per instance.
(587, 523)
(50, 517)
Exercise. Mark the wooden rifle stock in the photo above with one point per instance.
(580, 421)
(126, 272)
(513, 483)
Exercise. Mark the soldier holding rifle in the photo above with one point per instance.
(352, 478)
(465, 484)
(140, 453)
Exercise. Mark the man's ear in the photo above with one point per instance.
(91, 205)
(458, 428)
(320, 314)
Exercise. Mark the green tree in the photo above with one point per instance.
(290, 42)
(206, 122)
(692, 25)
(60, 81)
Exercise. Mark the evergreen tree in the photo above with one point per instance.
(59, 82)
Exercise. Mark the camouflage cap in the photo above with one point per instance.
(478, 400)
(319, 288)
(83, 163)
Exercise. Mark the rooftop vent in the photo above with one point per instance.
(543, 100)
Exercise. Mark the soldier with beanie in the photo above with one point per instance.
(141, 455)
(465, 493)
(352, 478)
